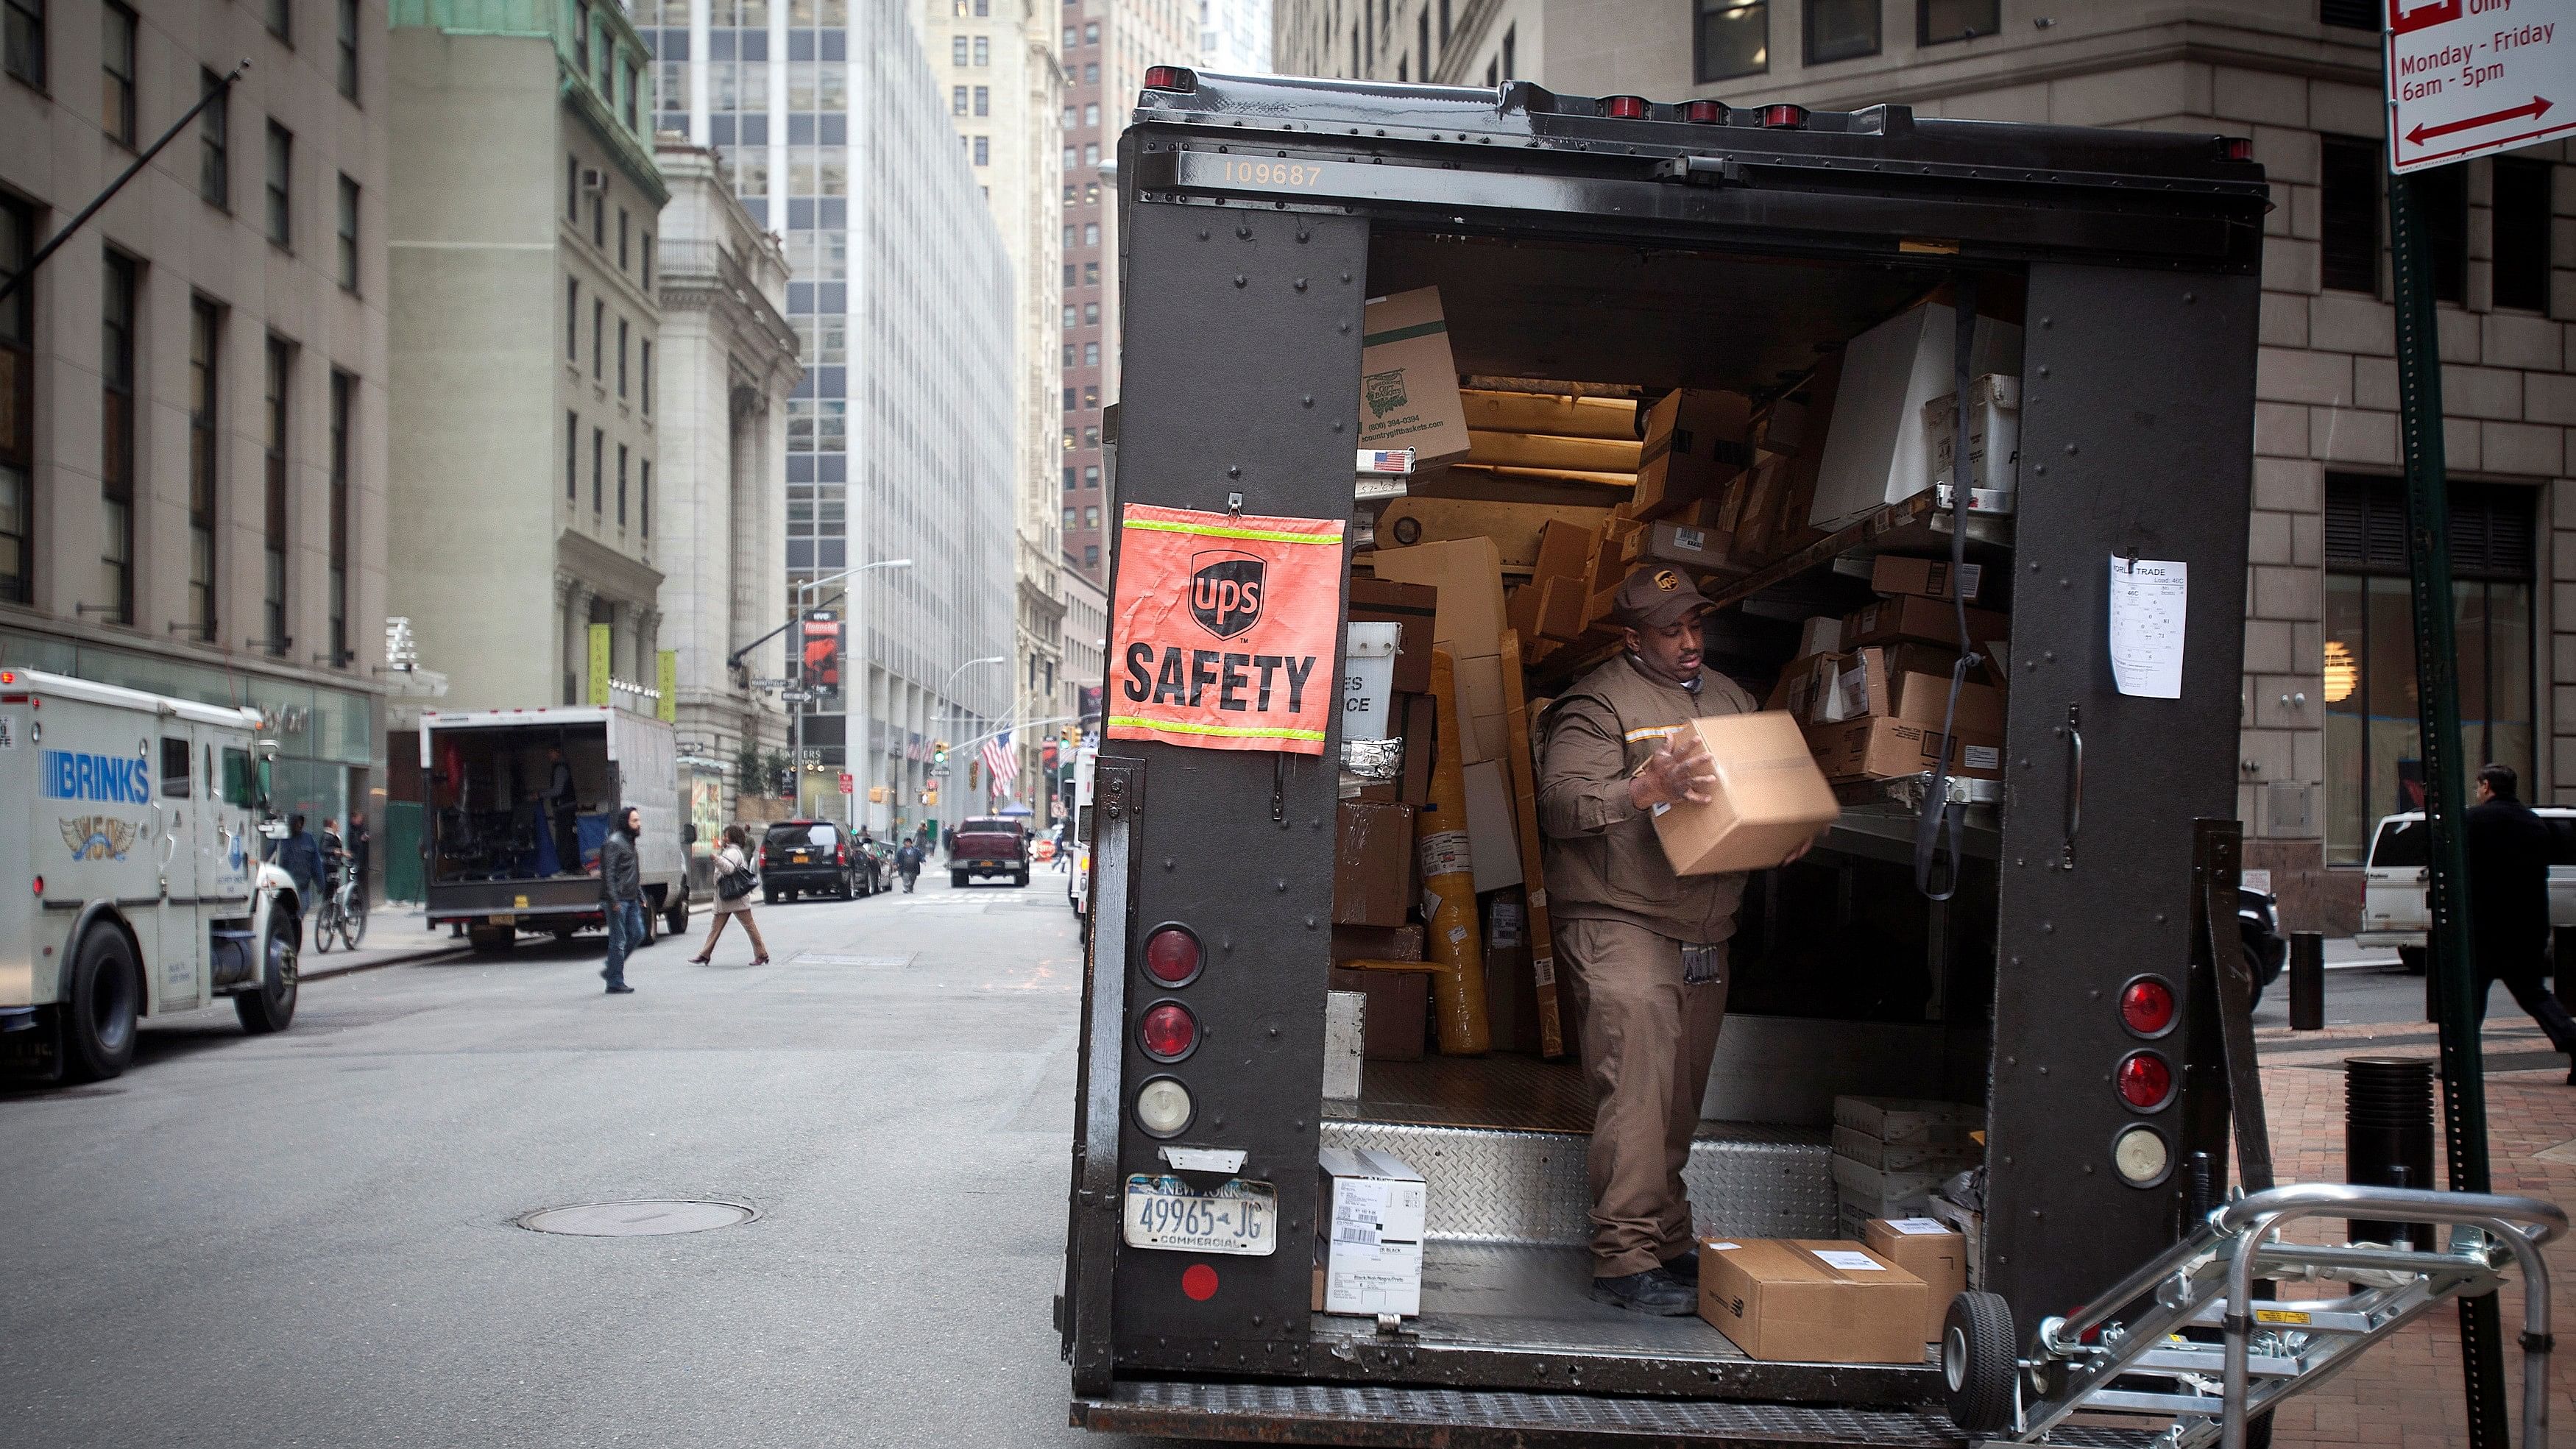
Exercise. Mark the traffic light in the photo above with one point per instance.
(930, 796)
(939, 752)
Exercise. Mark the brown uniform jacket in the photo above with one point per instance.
(1603, 860)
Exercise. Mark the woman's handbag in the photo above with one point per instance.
(734, 884)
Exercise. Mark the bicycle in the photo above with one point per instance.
(343, 912)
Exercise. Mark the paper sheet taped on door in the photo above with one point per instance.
(2149, 602)
(1226, 627)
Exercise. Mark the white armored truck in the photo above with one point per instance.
(134, 821)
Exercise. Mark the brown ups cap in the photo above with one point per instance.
(1652, 598)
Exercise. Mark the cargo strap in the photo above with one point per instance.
(2216, 850)
(1939, 820)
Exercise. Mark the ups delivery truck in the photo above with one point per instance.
(1614, 252)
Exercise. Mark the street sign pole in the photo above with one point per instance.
(2451, 939)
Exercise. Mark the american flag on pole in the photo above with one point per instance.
(1001, 764)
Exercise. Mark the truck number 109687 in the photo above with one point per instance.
(1271, 173)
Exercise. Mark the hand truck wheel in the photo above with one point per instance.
(1979, 1362)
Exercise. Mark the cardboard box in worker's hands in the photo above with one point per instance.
(1769, 799)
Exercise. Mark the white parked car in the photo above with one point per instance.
(2394, 910)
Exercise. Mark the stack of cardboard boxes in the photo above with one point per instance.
(1873, 689)
(1892, 1153)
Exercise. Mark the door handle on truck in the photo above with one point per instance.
(2074, 784)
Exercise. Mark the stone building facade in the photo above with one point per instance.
(526, 322)
(728, 365)
(2328, 742)
(193, 440)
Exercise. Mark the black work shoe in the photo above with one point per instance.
(1683, 1267)
(1653, 1291)
(620, 988)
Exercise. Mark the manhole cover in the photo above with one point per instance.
(648, 1218)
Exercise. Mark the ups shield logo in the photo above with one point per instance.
(1225, 591)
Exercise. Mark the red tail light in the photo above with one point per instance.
(840, 855)
(1784, 117)
(1625, 108)
(2147, 1006)
(2145, 1080)
(2235, 148)
(1704, 113)
(1170, 78)
(1168, 1032)
(1172, 955)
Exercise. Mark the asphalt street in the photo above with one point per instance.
(311, 1239)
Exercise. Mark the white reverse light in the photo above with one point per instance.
(1163, 1107)
(2141, 1155)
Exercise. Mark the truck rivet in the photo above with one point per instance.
(1308, 400)
(1301, 284)
(1243, 230)
(1256, 1320)
(2189, 298)
(1346, 327)
(2043, 369)
(2160, 918)
(1203, 233)
(1310, 923)
(1298, 1126)
(1337, 427)
(2047, 321)
(2063, 584)
(1346, 279)
(1240, 280)
(1302, 234)
(2043, 1071)
(2070, 448)
(1167, 862)
(2012, 1061)
(2041, 468)
(2049, 654)
(1234, 470)
(2048, 928)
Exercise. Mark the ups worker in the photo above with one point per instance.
(1645, 949)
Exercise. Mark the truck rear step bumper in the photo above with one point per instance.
(1242, 1413)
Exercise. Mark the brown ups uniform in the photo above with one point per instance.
(1622, 920)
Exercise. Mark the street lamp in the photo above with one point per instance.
(804, 592)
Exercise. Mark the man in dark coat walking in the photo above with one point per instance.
(2508, 849)
(621, 891)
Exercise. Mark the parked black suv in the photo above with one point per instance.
(799, 857)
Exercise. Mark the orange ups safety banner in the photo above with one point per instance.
(1225, 628)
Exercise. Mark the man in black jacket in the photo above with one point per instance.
(621, 890)
(2508, 850)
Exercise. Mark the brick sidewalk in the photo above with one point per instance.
(2406, 1392)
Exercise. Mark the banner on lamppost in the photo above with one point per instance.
(666, 683)
(599, 665)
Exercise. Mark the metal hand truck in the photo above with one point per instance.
(2126, 1352)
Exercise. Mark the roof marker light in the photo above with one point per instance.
(1171, 78)
(1625, 108)
(1704, 113)
(2235, 148)
(1784, 117)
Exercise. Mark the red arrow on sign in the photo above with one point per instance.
(2422, 133)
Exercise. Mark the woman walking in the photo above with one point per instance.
(733, 869)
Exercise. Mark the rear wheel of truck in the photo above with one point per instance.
(2416, 959)
(675, 921)
(270, 1005)
(492, 940)
(957, 880)
(1978, 1363)
(1020, 877)
(101, 1008)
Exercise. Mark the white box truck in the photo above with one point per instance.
(513, 846)
(135, 819)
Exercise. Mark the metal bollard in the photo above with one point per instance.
(2307, 981)
(2388, 1134)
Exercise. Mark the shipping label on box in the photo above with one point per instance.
(1881, 748)
(1408, 379)
(1910, 616)
(1994, 434)
(1687, 545)
(1372, 1230)
(1931, 1251)
(1930, 577)
(1924, 699)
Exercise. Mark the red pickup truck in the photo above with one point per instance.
(988, 845)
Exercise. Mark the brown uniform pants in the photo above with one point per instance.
(1647, 1041)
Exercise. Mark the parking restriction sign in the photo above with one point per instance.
(849, 785)
(2474, 77)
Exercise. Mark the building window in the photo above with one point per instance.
(572, 189)
(349, 48)
(2348, 173)
(1091, 114)
(23, 52)
(983, 150)
(599, 215)
(621, 357)
(983, 100)
(1091, 33)
(1068, 518)
(2522, 233)
(1091, 354)
(1733, 39)
(626, 96)
(621, 485)
(116, 66)
(644, 259)
(1841, 30)
(1091, 397)
(644, 497)
(572, 320)
(2442, 205)
(956, 100)
(280, 372)
(348, 233)
(1511, 39)
(205, 455)
(214, 141)
(281, 194)
(983, 50)
(2373, 757)
(622, 223)
(1091, 313)
(281, 21)
(1068, 399)
(572, 457)
(598, 470)
(1091, 555)
(581, 38)
(644, 374)
(1091, 518)
(344, 399)
(1939, 21)
(957, 50)
(1091, 233)
(116, 438)
(1422, 39)
(1068, 480)
(1091, 476)
(17, 405)
(598, 340)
